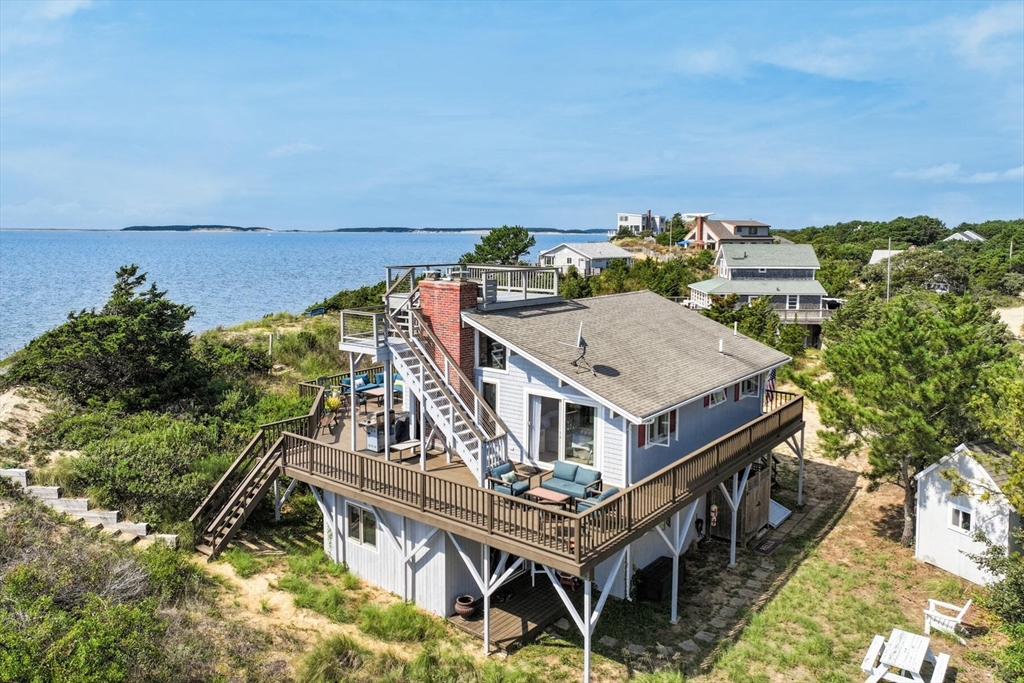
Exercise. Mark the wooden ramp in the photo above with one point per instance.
(521, 617)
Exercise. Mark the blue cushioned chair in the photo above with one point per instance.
(584, 505)
(572, 480)
(498, 476)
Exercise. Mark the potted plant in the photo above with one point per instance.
(466, 606)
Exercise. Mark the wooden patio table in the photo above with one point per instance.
(547, 496)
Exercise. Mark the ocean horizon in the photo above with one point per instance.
(229, 277)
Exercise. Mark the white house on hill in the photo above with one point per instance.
(946, 524)
(590, 258)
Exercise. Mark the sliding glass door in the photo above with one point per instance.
(561, 430)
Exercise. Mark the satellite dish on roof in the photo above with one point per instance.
(580, 362)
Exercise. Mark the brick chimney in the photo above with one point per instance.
(700, 230)
(441, 302)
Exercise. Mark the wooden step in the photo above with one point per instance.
(204, 549)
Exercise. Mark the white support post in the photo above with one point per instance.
(800, 477)
(279, 501)
(487, 599)
(352, 397)
(388, 405)
(675, 544)
(734, 504)
(587, 622)
(323, 509)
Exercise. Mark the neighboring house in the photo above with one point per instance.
(636, 425)
(946, 524)
(641, 222)
(711, 234)
(590, 258)
(965, 236)
(879, 255)
(783, 272)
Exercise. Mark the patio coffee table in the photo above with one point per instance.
(377, 393)
(547, 496)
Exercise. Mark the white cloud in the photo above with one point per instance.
(289, 150)
(708, 61)
(952, 173)
(982, 38)
(58, 9)
(36, 23)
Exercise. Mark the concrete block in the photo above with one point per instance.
(136, 528)
(169, 539)
(43, 492)
(69, 504)
(17, 475)
(101, 516)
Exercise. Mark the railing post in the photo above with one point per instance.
(490, 513)
(577, 539)
(361, 470)
(423, 490)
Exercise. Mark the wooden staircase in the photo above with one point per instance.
(243, 500)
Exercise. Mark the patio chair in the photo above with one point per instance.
(587, 503)
(504, 479)
(947, 622)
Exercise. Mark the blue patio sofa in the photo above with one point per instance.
(504, 479)
(572, 480)
(587, 503)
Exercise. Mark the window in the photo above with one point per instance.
(762, 270)
(660, 430)
(561, 430)
(751, 387)
(960, 519)
(362, 525)
(490, 392)
(549, 260)
(716, 397)
(492, 354)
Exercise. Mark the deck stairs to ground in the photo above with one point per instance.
(245, 494)
(106, 521)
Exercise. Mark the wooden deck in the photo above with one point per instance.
(523, 616)
(339, 435)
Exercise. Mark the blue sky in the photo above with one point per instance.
(327, 115)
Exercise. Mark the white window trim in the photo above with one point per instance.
(497, 390)
(547, 392)
(664, 440)
(747, 393)
(953, 507)
(714, 400)
(476, 355)
(349, 505)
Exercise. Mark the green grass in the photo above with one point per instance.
(401, 622)
(333, 602)
(244, 562)
(334, 660)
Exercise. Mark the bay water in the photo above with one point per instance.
(228, 277)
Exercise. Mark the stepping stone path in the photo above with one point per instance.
(760, 574)
(705, 636)
(753, 583)
(608, 641)
(664, 651)
(636, 649)
(745, 592)
(689, 646)
(718, 622)
(562, 624)
(727, 611)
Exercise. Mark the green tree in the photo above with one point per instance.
(572, 285)
(502, 246)
(134, 350)
(999, 408)
(900, 387)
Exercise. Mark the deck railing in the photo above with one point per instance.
(581, 540)
(363, 326)
(805, 315)
(326, 382)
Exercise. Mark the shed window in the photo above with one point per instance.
(492, 353)
(960, 519)
(362, 525)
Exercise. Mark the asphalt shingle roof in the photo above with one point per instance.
(649, 354)
(721, 287)
(593, 250)
(770, 256)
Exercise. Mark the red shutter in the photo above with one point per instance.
(641, 439)
(707, 401)
(736, 393)
(672, 422)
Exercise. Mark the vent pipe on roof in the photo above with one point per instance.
(735, 328)
(721, 346)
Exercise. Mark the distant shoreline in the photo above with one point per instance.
(232, 228)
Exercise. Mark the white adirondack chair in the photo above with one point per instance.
(949, 620)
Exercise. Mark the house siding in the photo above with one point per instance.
(522, 378)
(697, 426)
(770, 274)
(947, 548)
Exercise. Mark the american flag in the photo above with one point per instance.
(770, 387)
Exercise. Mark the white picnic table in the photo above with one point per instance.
(905, 652)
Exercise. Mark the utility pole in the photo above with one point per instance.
(888, 270)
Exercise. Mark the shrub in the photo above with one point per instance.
(398, 622)
(173, 575)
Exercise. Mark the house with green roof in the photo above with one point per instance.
(783, 272)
